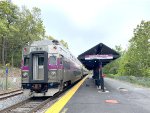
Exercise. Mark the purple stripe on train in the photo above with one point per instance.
(25, 68)
(55, 66)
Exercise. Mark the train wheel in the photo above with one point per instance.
(66, 84)
(69, 83)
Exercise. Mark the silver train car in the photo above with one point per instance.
(47, 67)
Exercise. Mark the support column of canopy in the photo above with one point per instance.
(101, 76)
(98, 76)
(96, 58)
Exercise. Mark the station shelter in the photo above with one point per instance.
(95, 59)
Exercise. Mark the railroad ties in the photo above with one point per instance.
(33, 104)
(10, 94)
(27, 106)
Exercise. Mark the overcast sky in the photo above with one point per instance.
(85, 23)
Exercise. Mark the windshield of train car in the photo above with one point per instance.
(52, 60)
(26, 61)
(40, 60)
(61, 60)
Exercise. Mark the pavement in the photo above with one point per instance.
(120, 97)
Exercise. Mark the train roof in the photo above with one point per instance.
(44, 42)
(47, 42)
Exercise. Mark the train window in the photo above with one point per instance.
(26, 61)
(40, 60)
(66, 65)
(52, 60)
(61, 60)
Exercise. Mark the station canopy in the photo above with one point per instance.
(90, 58)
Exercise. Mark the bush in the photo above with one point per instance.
(143, 81)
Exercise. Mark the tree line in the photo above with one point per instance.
(18, 26)
(135, 61)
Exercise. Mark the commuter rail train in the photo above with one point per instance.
(47, 67)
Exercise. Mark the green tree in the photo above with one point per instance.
(18, 27)
(8, 17)
(112, 68)
(30, 28)
(65, 44)
(139, 51)
(136, 61)
(49, 37)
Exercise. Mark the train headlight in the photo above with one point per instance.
(52, 75)
(25, 75)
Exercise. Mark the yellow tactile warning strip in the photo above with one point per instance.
(57, 106)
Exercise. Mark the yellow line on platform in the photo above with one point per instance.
(57, 106)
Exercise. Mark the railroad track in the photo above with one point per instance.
(10, 94)
(33, 104)
(27, 106)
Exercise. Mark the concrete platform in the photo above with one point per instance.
(121, 97)
(89, 99)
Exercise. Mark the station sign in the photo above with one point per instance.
(93, 57)
(6, 71)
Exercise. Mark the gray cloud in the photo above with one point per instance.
(113, 24)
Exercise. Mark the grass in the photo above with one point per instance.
(143, 81)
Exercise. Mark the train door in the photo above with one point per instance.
(62, 68)
(61, 73)
(38, 67)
